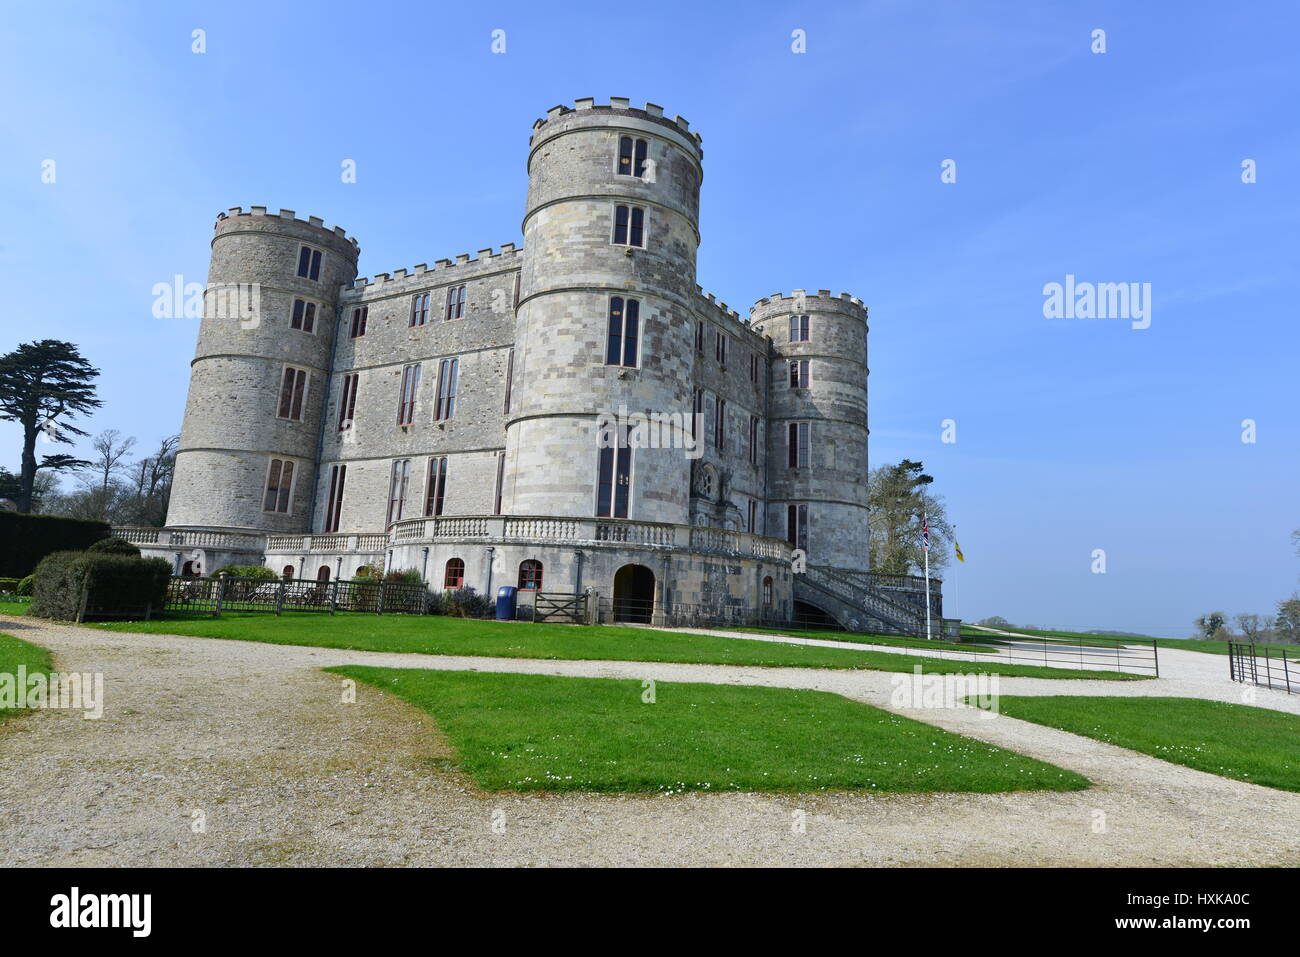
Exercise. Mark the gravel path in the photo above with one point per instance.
(256, 737)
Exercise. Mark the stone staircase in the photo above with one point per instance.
(846, 598)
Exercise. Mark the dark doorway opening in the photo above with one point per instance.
(634, 594)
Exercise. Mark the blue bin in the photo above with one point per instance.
(507, 598)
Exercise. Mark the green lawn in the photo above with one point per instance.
(15, 652)
(436, 635)
(868, 639)
(542, 733)
(14, 607)
(1237, 741)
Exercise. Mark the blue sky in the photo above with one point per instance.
(822, 170)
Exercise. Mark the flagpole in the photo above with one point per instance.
(925, 523)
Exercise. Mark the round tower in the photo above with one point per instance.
(817, 424)
(258, 381)
(612, 219)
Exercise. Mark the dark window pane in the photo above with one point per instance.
(630, 330)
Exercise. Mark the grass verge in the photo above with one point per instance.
(543, 733)
(1233, 740)
(435, 635)
(15, 652)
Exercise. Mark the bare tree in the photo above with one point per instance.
(100, 478)
(1250, 626)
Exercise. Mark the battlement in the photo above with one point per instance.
(780, 299)
(445, 269)
(620, 105)
(286, 215)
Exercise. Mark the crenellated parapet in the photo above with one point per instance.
(620, 106)
(464, 266)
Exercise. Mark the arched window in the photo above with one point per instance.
(767, 591)
(323, 574)
(455, 574)
(530, 575)
(187, 570)
(288, 572)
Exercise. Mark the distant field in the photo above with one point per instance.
(1073, 637)
(543, 733)
(867, 639)
(436, 635)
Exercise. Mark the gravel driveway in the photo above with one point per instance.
(256, 738)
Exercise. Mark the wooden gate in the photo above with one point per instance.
(560, 606)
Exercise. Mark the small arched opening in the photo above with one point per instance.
(634, 594)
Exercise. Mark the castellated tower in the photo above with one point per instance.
(817, 424)
(249, 441)
(612, 217)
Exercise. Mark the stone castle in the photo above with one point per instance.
(574, 415)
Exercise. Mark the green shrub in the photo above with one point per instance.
(465, 602)
(114, 546)
(409, 575)
(26, 539)
(24, 586)
(366, 572)
(260, 572)
(9, 584)
(111, 585)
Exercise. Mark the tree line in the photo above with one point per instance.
(45, 387)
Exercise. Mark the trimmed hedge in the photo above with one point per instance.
(26, 539)
(9, 585)
(25, 585)
(113, 586)
(259, 572)
(114, 546)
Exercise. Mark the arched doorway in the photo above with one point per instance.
(323, 574)
(634, 594)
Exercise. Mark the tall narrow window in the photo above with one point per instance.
(614, 480)
(798, 439)
(798, 328)
(397, 488)
(510, 378)
(753, 516)
(796, 526)
(348, 402)
(410, 389)
(359, 317)
(455, 302)
(334, 506)
(720, 346)
(699, 338)
(631, 156)
(448, 372)
(436, 488)
(767, 590)
(629, 226)
(419, 309)
(753, 440)
(624, 327)
(720, 424)
(293, 392)
(309, 262)
(279, 486)
(799, 373)
(697, 415)
(501, 478)
(754, 366)
(304, 316)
